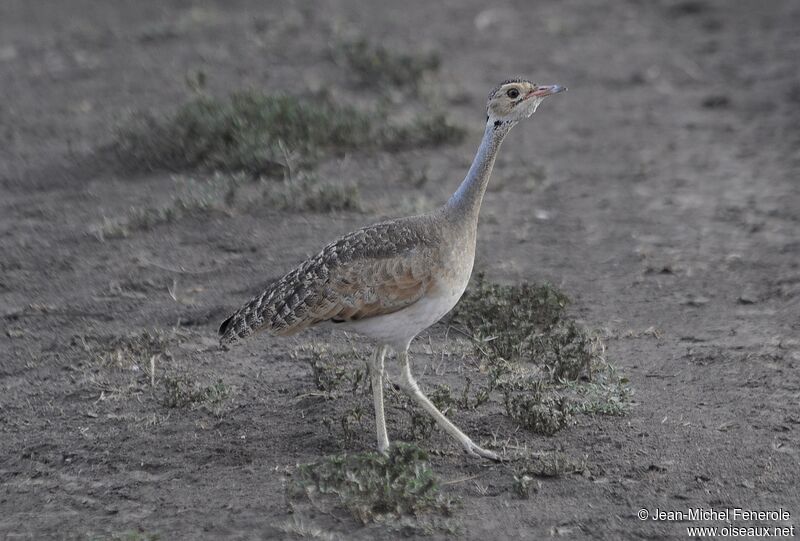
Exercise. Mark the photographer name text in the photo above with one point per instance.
(724, 515)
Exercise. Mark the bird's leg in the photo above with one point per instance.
(409, 385)
(376, 374)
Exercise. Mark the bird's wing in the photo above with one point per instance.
(374, 271)
(371, 287)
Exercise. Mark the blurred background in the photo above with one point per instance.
(161, 160)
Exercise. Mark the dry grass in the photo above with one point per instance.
(333, 371)
(342, 374)
(131, 351)
(306, 193)
(301, 528)
(141, 364)
(534, 359)
(194, 197)
(377, 66)
(427, 130)
(552, 464)
(221, 193)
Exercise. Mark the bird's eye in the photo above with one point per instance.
(512, 93)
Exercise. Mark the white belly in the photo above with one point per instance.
(399, 328)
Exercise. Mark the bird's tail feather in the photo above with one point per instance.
(244, 322)
(226, 326)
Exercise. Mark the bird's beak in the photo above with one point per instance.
(547, 90)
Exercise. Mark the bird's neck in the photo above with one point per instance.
(466, 202)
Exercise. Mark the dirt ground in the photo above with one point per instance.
(661, 193)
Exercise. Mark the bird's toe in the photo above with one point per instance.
(479, 452)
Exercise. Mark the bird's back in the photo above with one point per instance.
(371, 272)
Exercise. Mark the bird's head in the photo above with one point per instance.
(513, 100)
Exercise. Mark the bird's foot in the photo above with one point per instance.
(383, 447)
(474, 450)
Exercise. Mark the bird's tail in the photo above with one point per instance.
(281, 309)
(225, 330)
(242, 323)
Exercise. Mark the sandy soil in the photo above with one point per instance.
(666, 203)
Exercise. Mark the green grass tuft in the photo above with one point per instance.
(250, 132)
(265, 135)
(373, 487)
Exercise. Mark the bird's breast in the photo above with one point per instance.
(457, 259)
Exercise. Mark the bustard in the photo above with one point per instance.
(391, 280)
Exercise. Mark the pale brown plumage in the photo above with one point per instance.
(392, 280)
(373, 271)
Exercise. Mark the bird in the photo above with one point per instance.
(391, 280)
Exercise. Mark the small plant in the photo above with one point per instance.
(607, 394)
(373, 486)
(541, 413)
(552, 464)
(334, 370)
(181, 392)
(522, 485)
(352, 425)
(546, 366)
(375, 65)
(511, 322)
(328, 376)
(481, 397)
(566, 351)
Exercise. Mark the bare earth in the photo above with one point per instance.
(662, 193)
